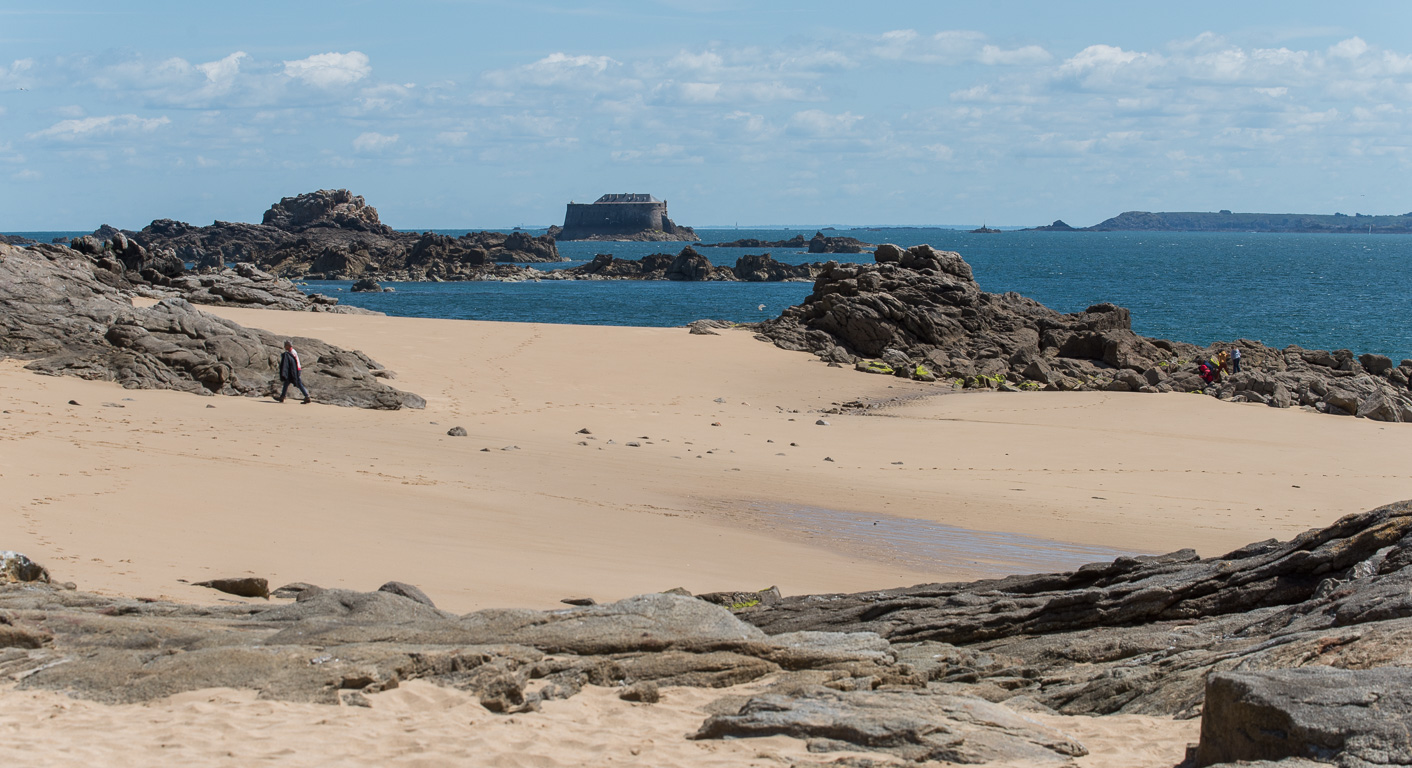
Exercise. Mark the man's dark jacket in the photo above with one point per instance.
(288, 367)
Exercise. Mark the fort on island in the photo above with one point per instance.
(626, 216)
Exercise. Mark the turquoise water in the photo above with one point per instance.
(1318, 291)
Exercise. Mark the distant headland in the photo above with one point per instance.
(1226, 221)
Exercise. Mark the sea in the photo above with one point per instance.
(1320, 291)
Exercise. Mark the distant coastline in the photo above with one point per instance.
(1226, 221)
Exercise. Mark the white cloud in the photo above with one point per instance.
(28, 174)
(223, 72)
(1351, 48)
(107, 125)
(330, 70)
(372, 141)
(816, 122)
(556, 69)
(700, 93)
(1026, 56)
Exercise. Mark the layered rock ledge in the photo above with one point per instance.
(62, 311)
(1307, 638)
(919, 313)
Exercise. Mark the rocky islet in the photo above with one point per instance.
(334, 234)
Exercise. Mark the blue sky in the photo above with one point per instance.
(461, 114)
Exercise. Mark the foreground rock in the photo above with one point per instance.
(55, 312)
(336, 235)
(1356, 717)
(1295, 648)
(919, 313)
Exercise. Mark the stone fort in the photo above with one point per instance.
(627, 216)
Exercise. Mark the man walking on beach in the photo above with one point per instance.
(289, 369)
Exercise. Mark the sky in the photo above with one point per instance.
(465, 113)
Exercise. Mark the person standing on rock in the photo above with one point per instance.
(289, 373)
(1235, 359)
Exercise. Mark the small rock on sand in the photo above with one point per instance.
(456, 432)
(244, 586)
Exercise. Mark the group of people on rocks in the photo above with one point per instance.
(1220, 363)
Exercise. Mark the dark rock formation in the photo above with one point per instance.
(921, 313)
(15, 567)
(333, 234)
(638, 217)
(331, 209)
(818, 244)
(1139, 635)
(687, 266)
(244, 586)
(366, 285)
(821, 244)
(984, 230)
(55, 312)
(797, 242)
(1305, 645)
(159, 273)
(1353, 717)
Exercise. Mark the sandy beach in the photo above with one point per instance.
(703, 466)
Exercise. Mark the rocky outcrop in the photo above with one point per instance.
(821, 244)
(1296, 648)
(919, 312)
(334, 234)
(158, 273)
(798, 242)
(688, 266)
(818, 244)
(326, 208)
(57, 314)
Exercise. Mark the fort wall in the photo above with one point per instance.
(622, 217)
